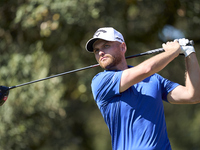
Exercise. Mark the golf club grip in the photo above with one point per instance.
(158, 50)
(191, 43)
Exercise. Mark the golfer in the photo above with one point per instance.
(130, 98)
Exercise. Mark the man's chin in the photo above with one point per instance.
(106, 64)
(107, 67)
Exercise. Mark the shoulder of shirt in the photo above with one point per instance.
(105, 72)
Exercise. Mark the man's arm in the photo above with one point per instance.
(190, 93)
(153, 65)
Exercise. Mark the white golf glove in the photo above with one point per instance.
(185, 48)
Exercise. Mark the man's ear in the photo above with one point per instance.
(123, 47)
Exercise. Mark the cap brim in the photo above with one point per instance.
(89, 45)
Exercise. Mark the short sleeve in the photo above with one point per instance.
(105, 85)
(167, 86)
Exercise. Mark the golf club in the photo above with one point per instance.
(93, 66)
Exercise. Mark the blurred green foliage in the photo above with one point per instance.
(39, 38)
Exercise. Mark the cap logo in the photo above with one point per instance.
(120, 39)
(97, 33)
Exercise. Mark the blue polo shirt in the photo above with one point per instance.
(135, 117)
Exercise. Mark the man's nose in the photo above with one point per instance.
(101, 52)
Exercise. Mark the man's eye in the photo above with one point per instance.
(96, 50)
(107, 46)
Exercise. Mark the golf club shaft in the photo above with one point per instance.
(88, 67)
(57, 75)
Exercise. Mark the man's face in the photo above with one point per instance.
(108, 53)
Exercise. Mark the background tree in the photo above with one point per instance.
(39, 38)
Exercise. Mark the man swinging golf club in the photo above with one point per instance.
(130, 98)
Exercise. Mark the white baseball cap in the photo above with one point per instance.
(106, 33)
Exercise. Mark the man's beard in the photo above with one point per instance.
(111, 62)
